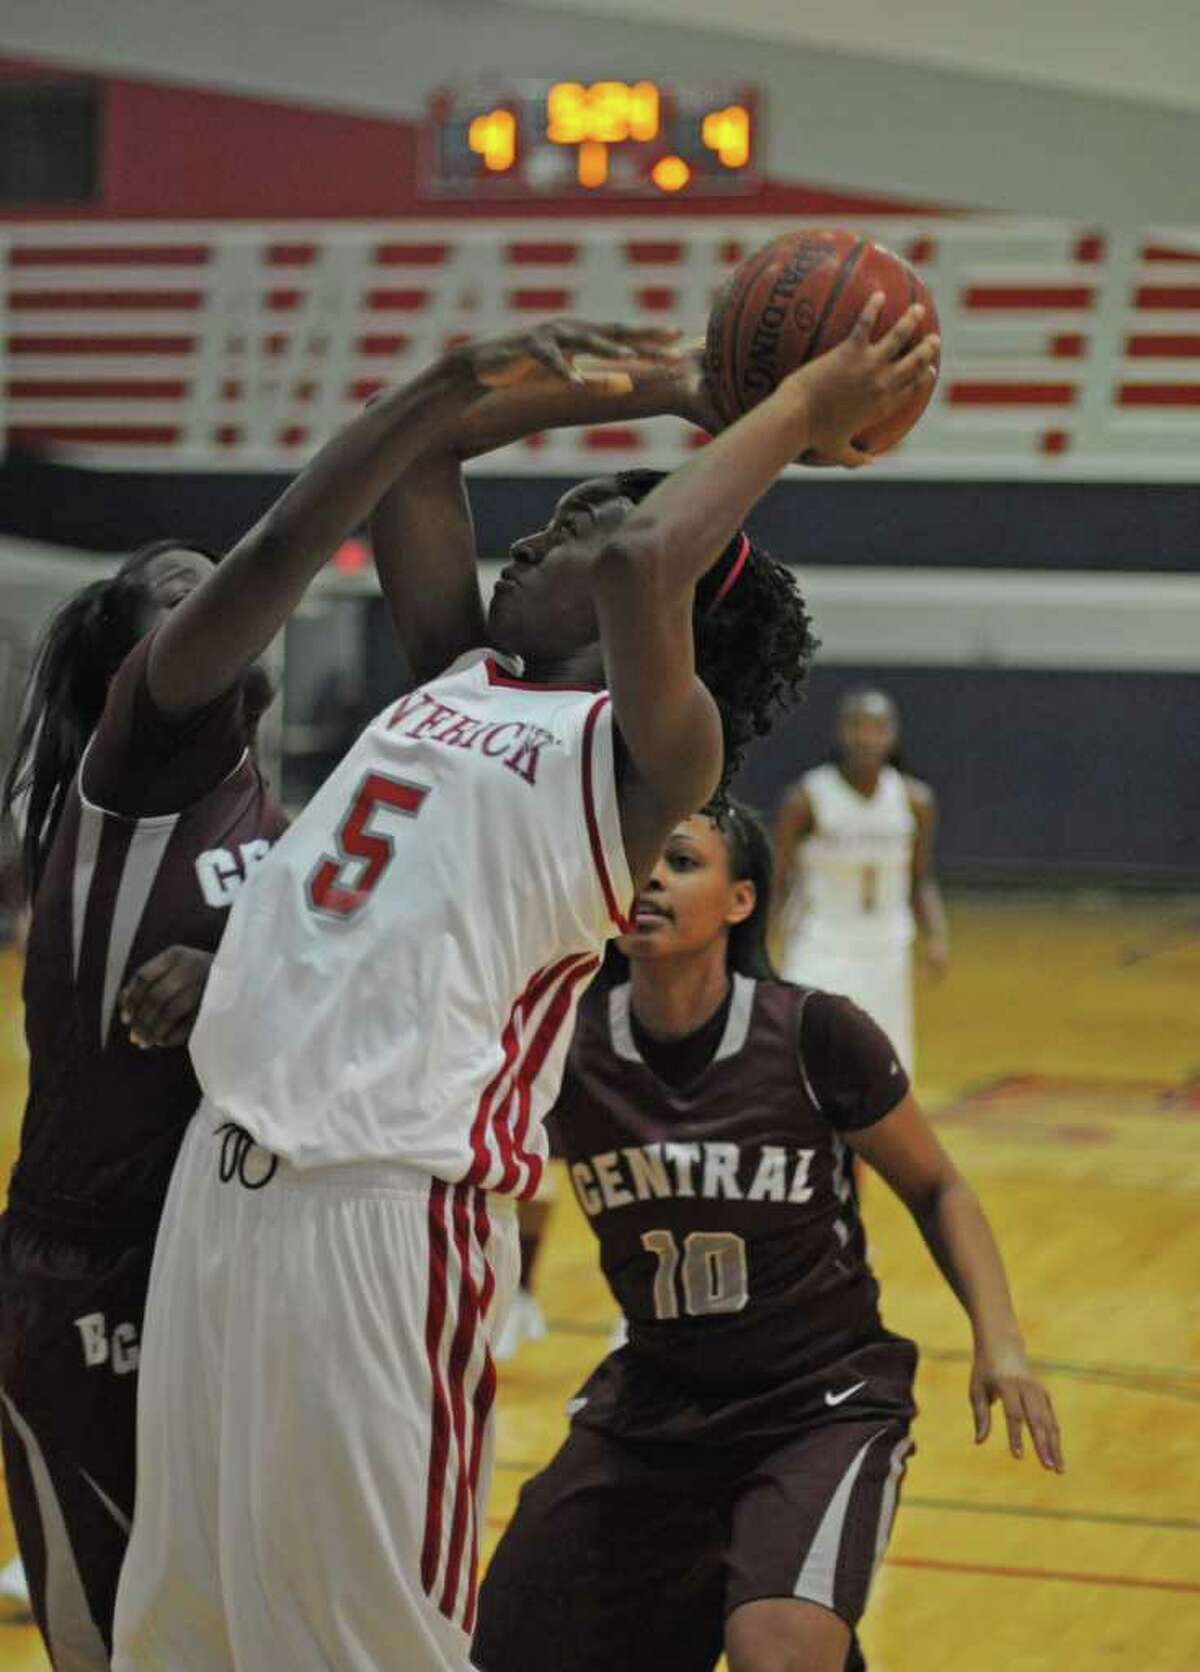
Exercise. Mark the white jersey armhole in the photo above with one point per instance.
(602, 813)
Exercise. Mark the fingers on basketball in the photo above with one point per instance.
(808, 292)
(864, 325)
(892, 344)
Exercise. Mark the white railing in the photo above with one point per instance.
(1070, 352)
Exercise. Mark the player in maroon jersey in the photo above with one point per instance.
(114, 863)
(730, 1475)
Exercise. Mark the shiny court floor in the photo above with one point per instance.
(1061, 1060)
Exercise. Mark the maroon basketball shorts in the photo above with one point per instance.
(70, 1327)
(633, 1554)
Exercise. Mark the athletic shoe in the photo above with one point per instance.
(525, 1322)
(13, 1584)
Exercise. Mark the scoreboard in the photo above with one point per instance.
(600, 138)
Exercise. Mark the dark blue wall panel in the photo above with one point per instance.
(1037, 773)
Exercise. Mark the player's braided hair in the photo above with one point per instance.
(753, 650)
(80, 650)
(749, 850)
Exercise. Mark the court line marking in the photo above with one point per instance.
(989, 1571)
(1142, 1378)
(1164, 1380)
(1030, 1512)
(967, 1506)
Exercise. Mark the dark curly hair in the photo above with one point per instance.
(753, 651)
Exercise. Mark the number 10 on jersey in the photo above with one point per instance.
(715, 1276)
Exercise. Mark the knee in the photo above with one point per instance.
(783, 1636)
(785, 1657)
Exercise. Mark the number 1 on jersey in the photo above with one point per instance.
(360, 846)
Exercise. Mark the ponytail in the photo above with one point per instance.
(81, 649)
(749, 850)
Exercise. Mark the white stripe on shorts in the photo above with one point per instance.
(887, 1507)
(816, 1579)
(72, 1636)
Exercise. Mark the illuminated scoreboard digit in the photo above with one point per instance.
(575, 138)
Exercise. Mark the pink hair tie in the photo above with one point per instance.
(730, 581)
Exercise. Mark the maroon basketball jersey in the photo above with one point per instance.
(160, 830)
(726, 1214)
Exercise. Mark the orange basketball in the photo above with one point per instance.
(792, 300)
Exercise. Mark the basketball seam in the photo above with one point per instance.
(835, 291)
(734, 336)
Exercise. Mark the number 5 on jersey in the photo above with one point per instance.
(342, 886)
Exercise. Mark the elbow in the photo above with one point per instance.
(947, 1187)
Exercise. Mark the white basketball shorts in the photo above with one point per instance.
(881, 983)
(314, 1416)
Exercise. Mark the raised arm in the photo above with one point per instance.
(646, 571)
(421, 531)
(204, 645)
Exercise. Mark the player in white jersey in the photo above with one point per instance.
(854, 872)
(386, 1019)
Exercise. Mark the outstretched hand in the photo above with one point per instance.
(1003, 1373)
(695, 398)
(860, 383)
(549, 350)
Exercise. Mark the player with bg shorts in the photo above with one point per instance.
(854, 878)
(386, 1021)
(138, 827)
(730, 1476)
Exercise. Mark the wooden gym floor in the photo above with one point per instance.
(1061, 1060)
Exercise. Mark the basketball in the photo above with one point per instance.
(797, 297)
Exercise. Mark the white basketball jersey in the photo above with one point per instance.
(398, 983)
(852, 888)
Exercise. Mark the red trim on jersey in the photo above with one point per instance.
(481, 1164)
(497, 676)
(507, 1142)
(439, 1442)
(510, 1044)
(589, 810)
(461, 1352)
(539, 1048)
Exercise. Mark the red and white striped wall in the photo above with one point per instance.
(1070, 351)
